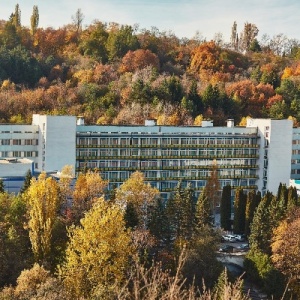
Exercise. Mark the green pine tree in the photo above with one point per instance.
(225, 209)
(239, 211)
(27, 182)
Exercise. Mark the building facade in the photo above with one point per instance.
(258, 156)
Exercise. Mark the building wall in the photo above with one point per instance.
(167, 154)
(258, 156)
(57, 142)
(295, 164)
(275, 152)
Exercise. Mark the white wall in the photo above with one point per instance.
(57, 142)
(275, 152)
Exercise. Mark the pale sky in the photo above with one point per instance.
(182, 17)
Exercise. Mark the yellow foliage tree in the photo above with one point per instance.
(98, 252)
(43, 201)
(88, 187)
(286, 250)
(198, 120)
(138, 193)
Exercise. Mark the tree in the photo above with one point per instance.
(34, 19)
(213, 188)
(139, 59)
(37, 283)
(78, 19)
(285, 248)
(27, 182)
(17, 16)
(88, 187)
(141, 195)
(93, 42)
(247, 36)
(203, 210)
(43, 200)
(239, 211)
(234, 37)
(253, 199)
(98, 253)
(1, 186)
(225, 208)
(120, 41)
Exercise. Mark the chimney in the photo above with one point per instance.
(80, 120)
(230, 123)
(150, 123)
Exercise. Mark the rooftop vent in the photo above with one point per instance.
(150, 122)
(230, 123)
(207, 123)
(80, 120)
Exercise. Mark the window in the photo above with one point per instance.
(5, 142)
(28, 142)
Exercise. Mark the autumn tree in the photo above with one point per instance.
(234, 37)
(98, 252)
(120, 41)
(17, 16)
(93, 42)
(15, 247)
(78, 19)
(37, 282)
(285, 248)
(43, 201)
(247, 36)
(34, 19)
(140, 195)
(88, 187)
(139, 59)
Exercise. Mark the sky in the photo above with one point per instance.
(184, 18)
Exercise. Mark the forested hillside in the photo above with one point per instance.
(119, 74)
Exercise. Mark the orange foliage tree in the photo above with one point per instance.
(139, 59)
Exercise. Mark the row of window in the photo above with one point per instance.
(164, 152)
(163, 141)
(19, 142)
(168, 163)
(19, 154)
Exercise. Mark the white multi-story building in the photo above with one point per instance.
(258, 156)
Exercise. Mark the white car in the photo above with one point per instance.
(229, 238)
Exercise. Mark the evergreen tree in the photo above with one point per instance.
(239, 211)
(34, 19)
(17, 16)
(131, 217)
(196, 99)
(213, 188)
(203, 210)
(251, 205)
(292, 197)
(27, 182)
(159, 225)
(2, 186)
(266, 218)
(225, 208)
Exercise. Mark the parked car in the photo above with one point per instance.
(226, 248)
(229, 238)
(243, 247)
(240, 237)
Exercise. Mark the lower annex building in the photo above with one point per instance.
(258, 156)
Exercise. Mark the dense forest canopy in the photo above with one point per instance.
(119, 74)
